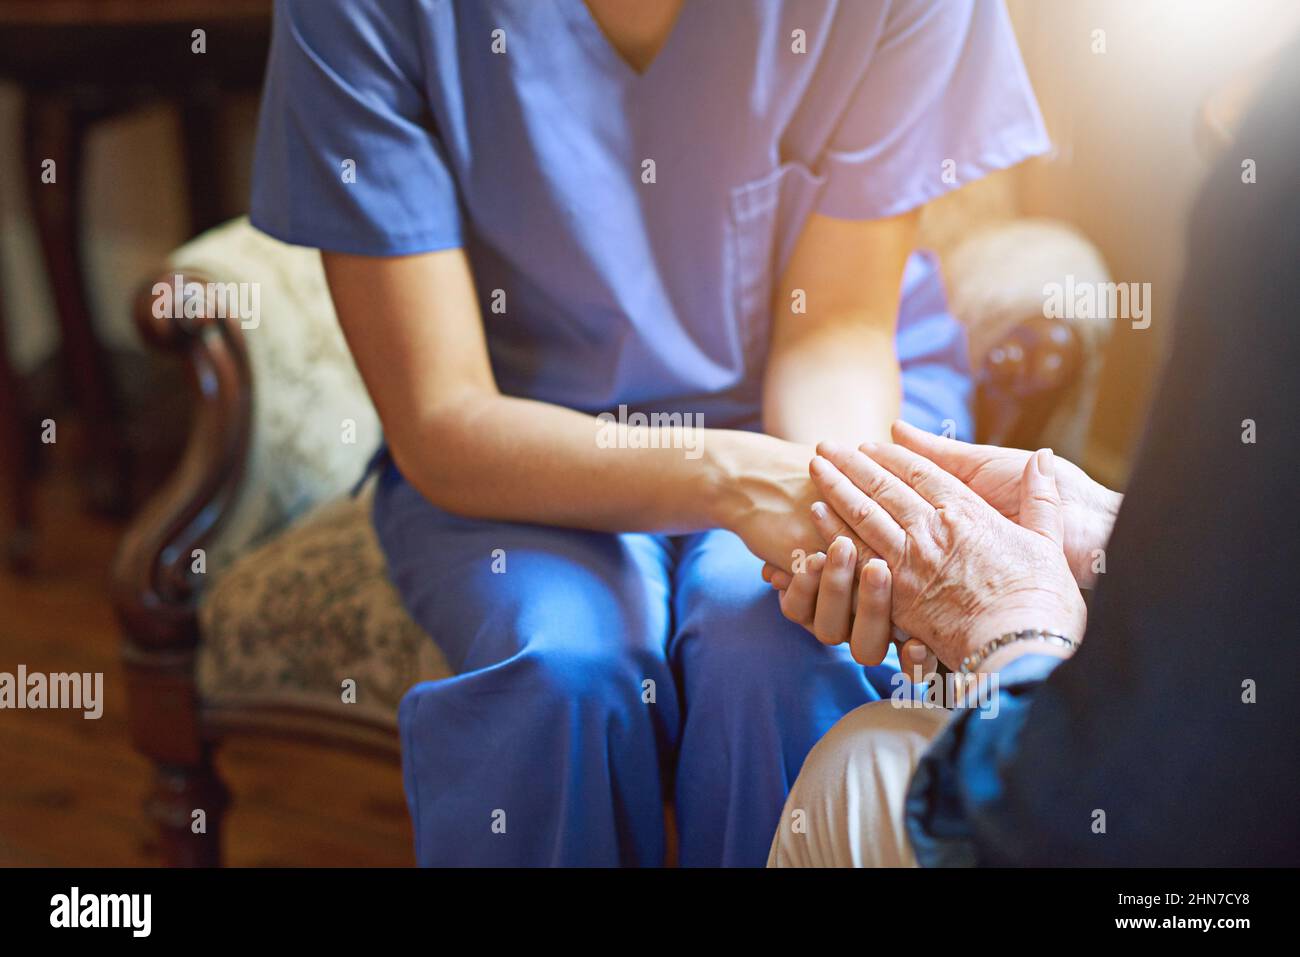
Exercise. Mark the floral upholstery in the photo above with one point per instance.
(290, 621)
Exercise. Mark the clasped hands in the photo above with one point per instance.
(950, 544)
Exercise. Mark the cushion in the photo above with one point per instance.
(313, 425)
(287, 623)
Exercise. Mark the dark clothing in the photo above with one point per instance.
(1201, 597)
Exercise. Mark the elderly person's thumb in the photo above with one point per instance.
(1040, 502)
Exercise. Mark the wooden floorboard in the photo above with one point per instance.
(71, 789)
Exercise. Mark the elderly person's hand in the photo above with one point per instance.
(1088, 508)
(962, 574)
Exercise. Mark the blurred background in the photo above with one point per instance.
(1138, 96)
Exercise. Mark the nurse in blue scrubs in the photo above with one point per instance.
(693, 218)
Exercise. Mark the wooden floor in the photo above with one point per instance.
(71, 789)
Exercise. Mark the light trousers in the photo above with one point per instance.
(846, 807)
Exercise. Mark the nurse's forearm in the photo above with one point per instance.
(832, 370)
(492, 456)
(414, 328)
(836, 381)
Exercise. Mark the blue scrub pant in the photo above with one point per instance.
(598, 676)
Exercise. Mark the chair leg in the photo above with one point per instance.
(187, 804)
(15, 459)
(187, 799)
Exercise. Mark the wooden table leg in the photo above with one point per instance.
(200, 112)
(54, 129)
(15, 456)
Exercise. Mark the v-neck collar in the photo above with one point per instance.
(589, 30)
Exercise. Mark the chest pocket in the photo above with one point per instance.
(767, 216)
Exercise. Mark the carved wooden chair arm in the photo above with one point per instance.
(154, 588)
(1023, 378)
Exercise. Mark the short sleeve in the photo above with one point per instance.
(347, 157)
(943, 100)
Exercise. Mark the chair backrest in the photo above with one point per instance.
(313, 425)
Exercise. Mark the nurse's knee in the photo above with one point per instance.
(733, 639)
(748, 650)
(595, 673)
(573, 641)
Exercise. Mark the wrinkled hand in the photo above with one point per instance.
(994, 474)
(962, 573)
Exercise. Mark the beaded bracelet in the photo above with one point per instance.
(973, 661)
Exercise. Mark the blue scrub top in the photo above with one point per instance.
(513, 128)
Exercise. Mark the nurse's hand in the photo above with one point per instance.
(769, 498)
(838, 603)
